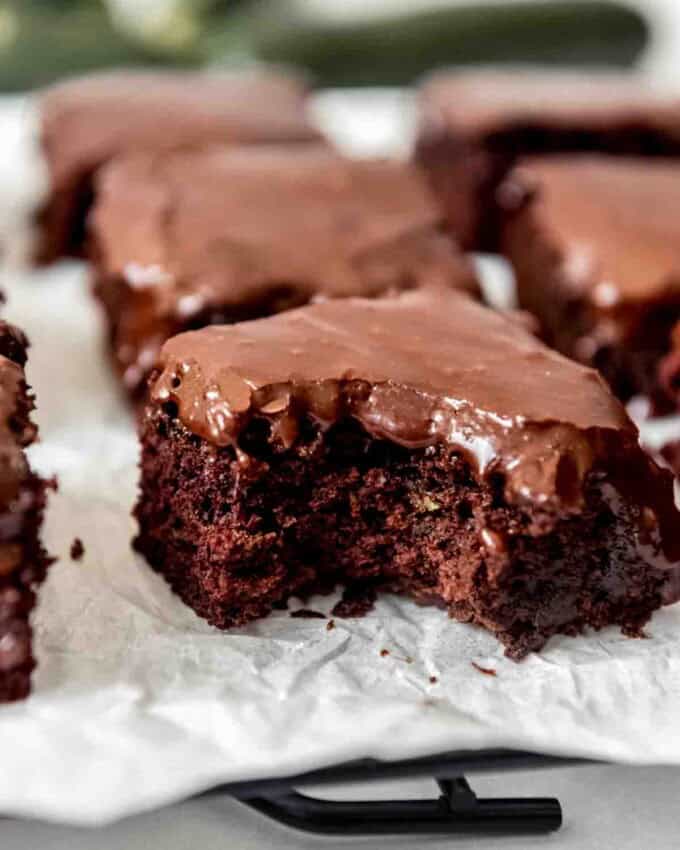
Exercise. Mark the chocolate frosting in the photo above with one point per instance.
(478, 104)
(88, 120)
(426, 367)
(252, 231)
(622, 248)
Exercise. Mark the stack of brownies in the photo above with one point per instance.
(323, 397)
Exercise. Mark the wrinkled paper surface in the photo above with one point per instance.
(138, 703)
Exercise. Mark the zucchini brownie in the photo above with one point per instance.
(87, 121)
(475, 124)
(597, 260)
(422, 444)
(226, 234)
(23, 561)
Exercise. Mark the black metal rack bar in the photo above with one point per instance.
(457, 810)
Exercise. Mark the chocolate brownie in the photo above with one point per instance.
(23, 561)
(225, 234)
(89, 120)
(593, 243)
(422, 443)
(474, 125)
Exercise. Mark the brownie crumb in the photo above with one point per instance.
(488, 671)
(330, 625)
(407, 658)
(307, 614)
(433, 680)
(77, 549)
(357, 600)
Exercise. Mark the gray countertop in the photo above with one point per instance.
(604, 808)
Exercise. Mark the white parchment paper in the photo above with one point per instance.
(138, 703)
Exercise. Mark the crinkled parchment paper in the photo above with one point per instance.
(138, 703)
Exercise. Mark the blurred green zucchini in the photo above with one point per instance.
(398, 49)
(41, 41)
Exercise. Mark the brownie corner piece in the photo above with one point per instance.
(420, 444)
(590, 238)
(23, 560)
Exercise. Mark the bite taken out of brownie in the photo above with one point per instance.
(87, 121)
(592, 240)
(23, 561)
(421, 444)
(474, 125)
(226, 234)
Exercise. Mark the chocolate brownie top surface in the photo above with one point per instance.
(87, 120)
(484, 102)
(226, 227)
(613, 220)
(425, 367)
(438, 358)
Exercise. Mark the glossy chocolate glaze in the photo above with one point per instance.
(225, 234)
(423, 368)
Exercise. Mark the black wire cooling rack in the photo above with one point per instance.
(457, 809)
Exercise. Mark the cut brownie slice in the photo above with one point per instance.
(87, 121)
(420, 443)
(475, 124)
(594, 244)
(225, 234)
(23, 561)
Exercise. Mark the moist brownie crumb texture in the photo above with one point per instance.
(474, 126)
(224, 235)
(23, 561)
(594, 242)
(420, 444)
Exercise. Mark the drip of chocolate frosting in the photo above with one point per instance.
(426, 367)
